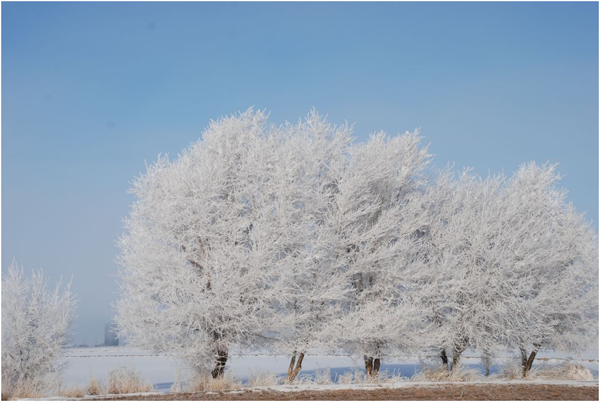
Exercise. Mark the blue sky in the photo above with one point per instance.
(90, 91)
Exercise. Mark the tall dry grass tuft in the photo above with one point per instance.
(72, 391)
(323, 376)
(95, 387)
(126, 380)
(177, 386)
(346, 378)
(442, 374)
(262, 379)
(203, 382)
(21, 390)
(395, 377)
(513, 371)
(565, 371)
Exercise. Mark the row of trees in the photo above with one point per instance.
(295, 238)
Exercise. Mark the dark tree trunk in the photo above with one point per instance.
(457, 352)
(444, 358)
(527, 362)
(369, 366)
(455, 360)
(523, 361)
(219, 370)
(376, 365)
(372, 365)
(293, 371)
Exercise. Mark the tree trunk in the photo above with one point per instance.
(219, 370)
(369, 366)
(444, 358)
(372, 365)
(376, 365)
(487, 361)
(527, 362)
(523, 361)
(455, 360)
(458, 349)
(293, 371)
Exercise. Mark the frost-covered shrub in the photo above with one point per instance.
(35, 329)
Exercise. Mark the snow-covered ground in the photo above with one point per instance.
(163, 370)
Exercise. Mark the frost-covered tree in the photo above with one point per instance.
(293, 238)
(309, 156)
(553, 256)
(508, 264)
(201, 259)
(460, 286)
(377, 224)
(35, 329)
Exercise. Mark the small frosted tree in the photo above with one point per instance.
(35, 329)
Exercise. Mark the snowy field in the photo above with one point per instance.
(163, 370)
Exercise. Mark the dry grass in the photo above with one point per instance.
(95, 387)
(178, 383)
(359, 377)
(126, 380)
(72, 391)
(346, 378)
(21, 392)
(512, 371)
(442, 374)
(567, 371)
(386, 378)
(262, 379)
(323, 376)
(22, 389)
(203, 382)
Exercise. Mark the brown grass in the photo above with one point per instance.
(203, 382)
(442, 374)
(568, 371)
(262, 379)
(126, 380)
(95, 387)
(72, 391)
(23, 390)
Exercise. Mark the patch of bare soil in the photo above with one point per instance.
(457, 392)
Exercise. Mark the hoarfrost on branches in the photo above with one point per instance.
(293, 238)
(35, 329)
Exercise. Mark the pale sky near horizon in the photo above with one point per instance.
(90, 91)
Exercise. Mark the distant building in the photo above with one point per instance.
(110, 335)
